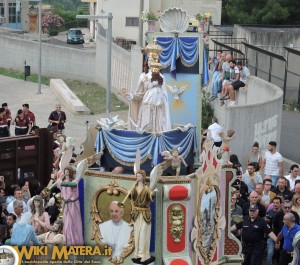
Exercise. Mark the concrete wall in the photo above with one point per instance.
(256, 117)
(271, 39)
(69, 63)
(126, 66)
(57, 61)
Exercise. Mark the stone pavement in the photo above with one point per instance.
(17, 92)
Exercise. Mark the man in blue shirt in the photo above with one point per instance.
(288, 232)
(23, 233)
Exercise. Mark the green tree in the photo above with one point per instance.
(261, 12)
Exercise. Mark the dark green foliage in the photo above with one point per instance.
(70, 18)
(68, 5)
(207, 112)
(276, 12)
(68, 9)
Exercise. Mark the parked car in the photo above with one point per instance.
(75, 36)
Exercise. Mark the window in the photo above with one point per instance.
(132, 22)
(2, 9)
(12, 13)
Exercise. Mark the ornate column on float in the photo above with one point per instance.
(211, 236)
(175, 216)
(230, 248)
(209, 219)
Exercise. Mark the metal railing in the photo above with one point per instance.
(282, 71)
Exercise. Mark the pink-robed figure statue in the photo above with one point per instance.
(71, 208)
(68, 184)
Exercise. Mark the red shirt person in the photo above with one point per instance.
(4, 131)
(7, 113)
(22, 124)
(28, 114)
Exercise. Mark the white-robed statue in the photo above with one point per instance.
(149, 107)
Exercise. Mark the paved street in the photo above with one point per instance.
(61, 40)
(290, 139)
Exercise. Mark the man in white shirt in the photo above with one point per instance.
(18, 209)
(240, 82)
(293, 176)
(272, 163)
(215, 129)
(251, 178)
(18, 195)
(115, 232)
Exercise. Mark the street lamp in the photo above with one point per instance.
(40, 46)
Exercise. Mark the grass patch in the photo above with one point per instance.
(291, 105)
(94, 97)
(19, 75)
(91, 94)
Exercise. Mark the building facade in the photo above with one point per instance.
(14, 14)
(126, 14)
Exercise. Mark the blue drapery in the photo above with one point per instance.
(187, 48)
(205, 76)
(122, 145)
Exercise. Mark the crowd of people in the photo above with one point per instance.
(24, 120)
(43, 206)
(265, 207)
(265, 203)
(227, 77)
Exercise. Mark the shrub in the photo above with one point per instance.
(52, 23)
(207, 112)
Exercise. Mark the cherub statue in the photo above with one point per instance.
(226, 138)
(173, 159)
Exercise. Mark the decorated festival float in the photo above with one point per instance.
(148, 204)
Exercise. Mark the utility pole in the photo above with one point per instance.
(141, 24)
(109, 17)
(40, 47)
